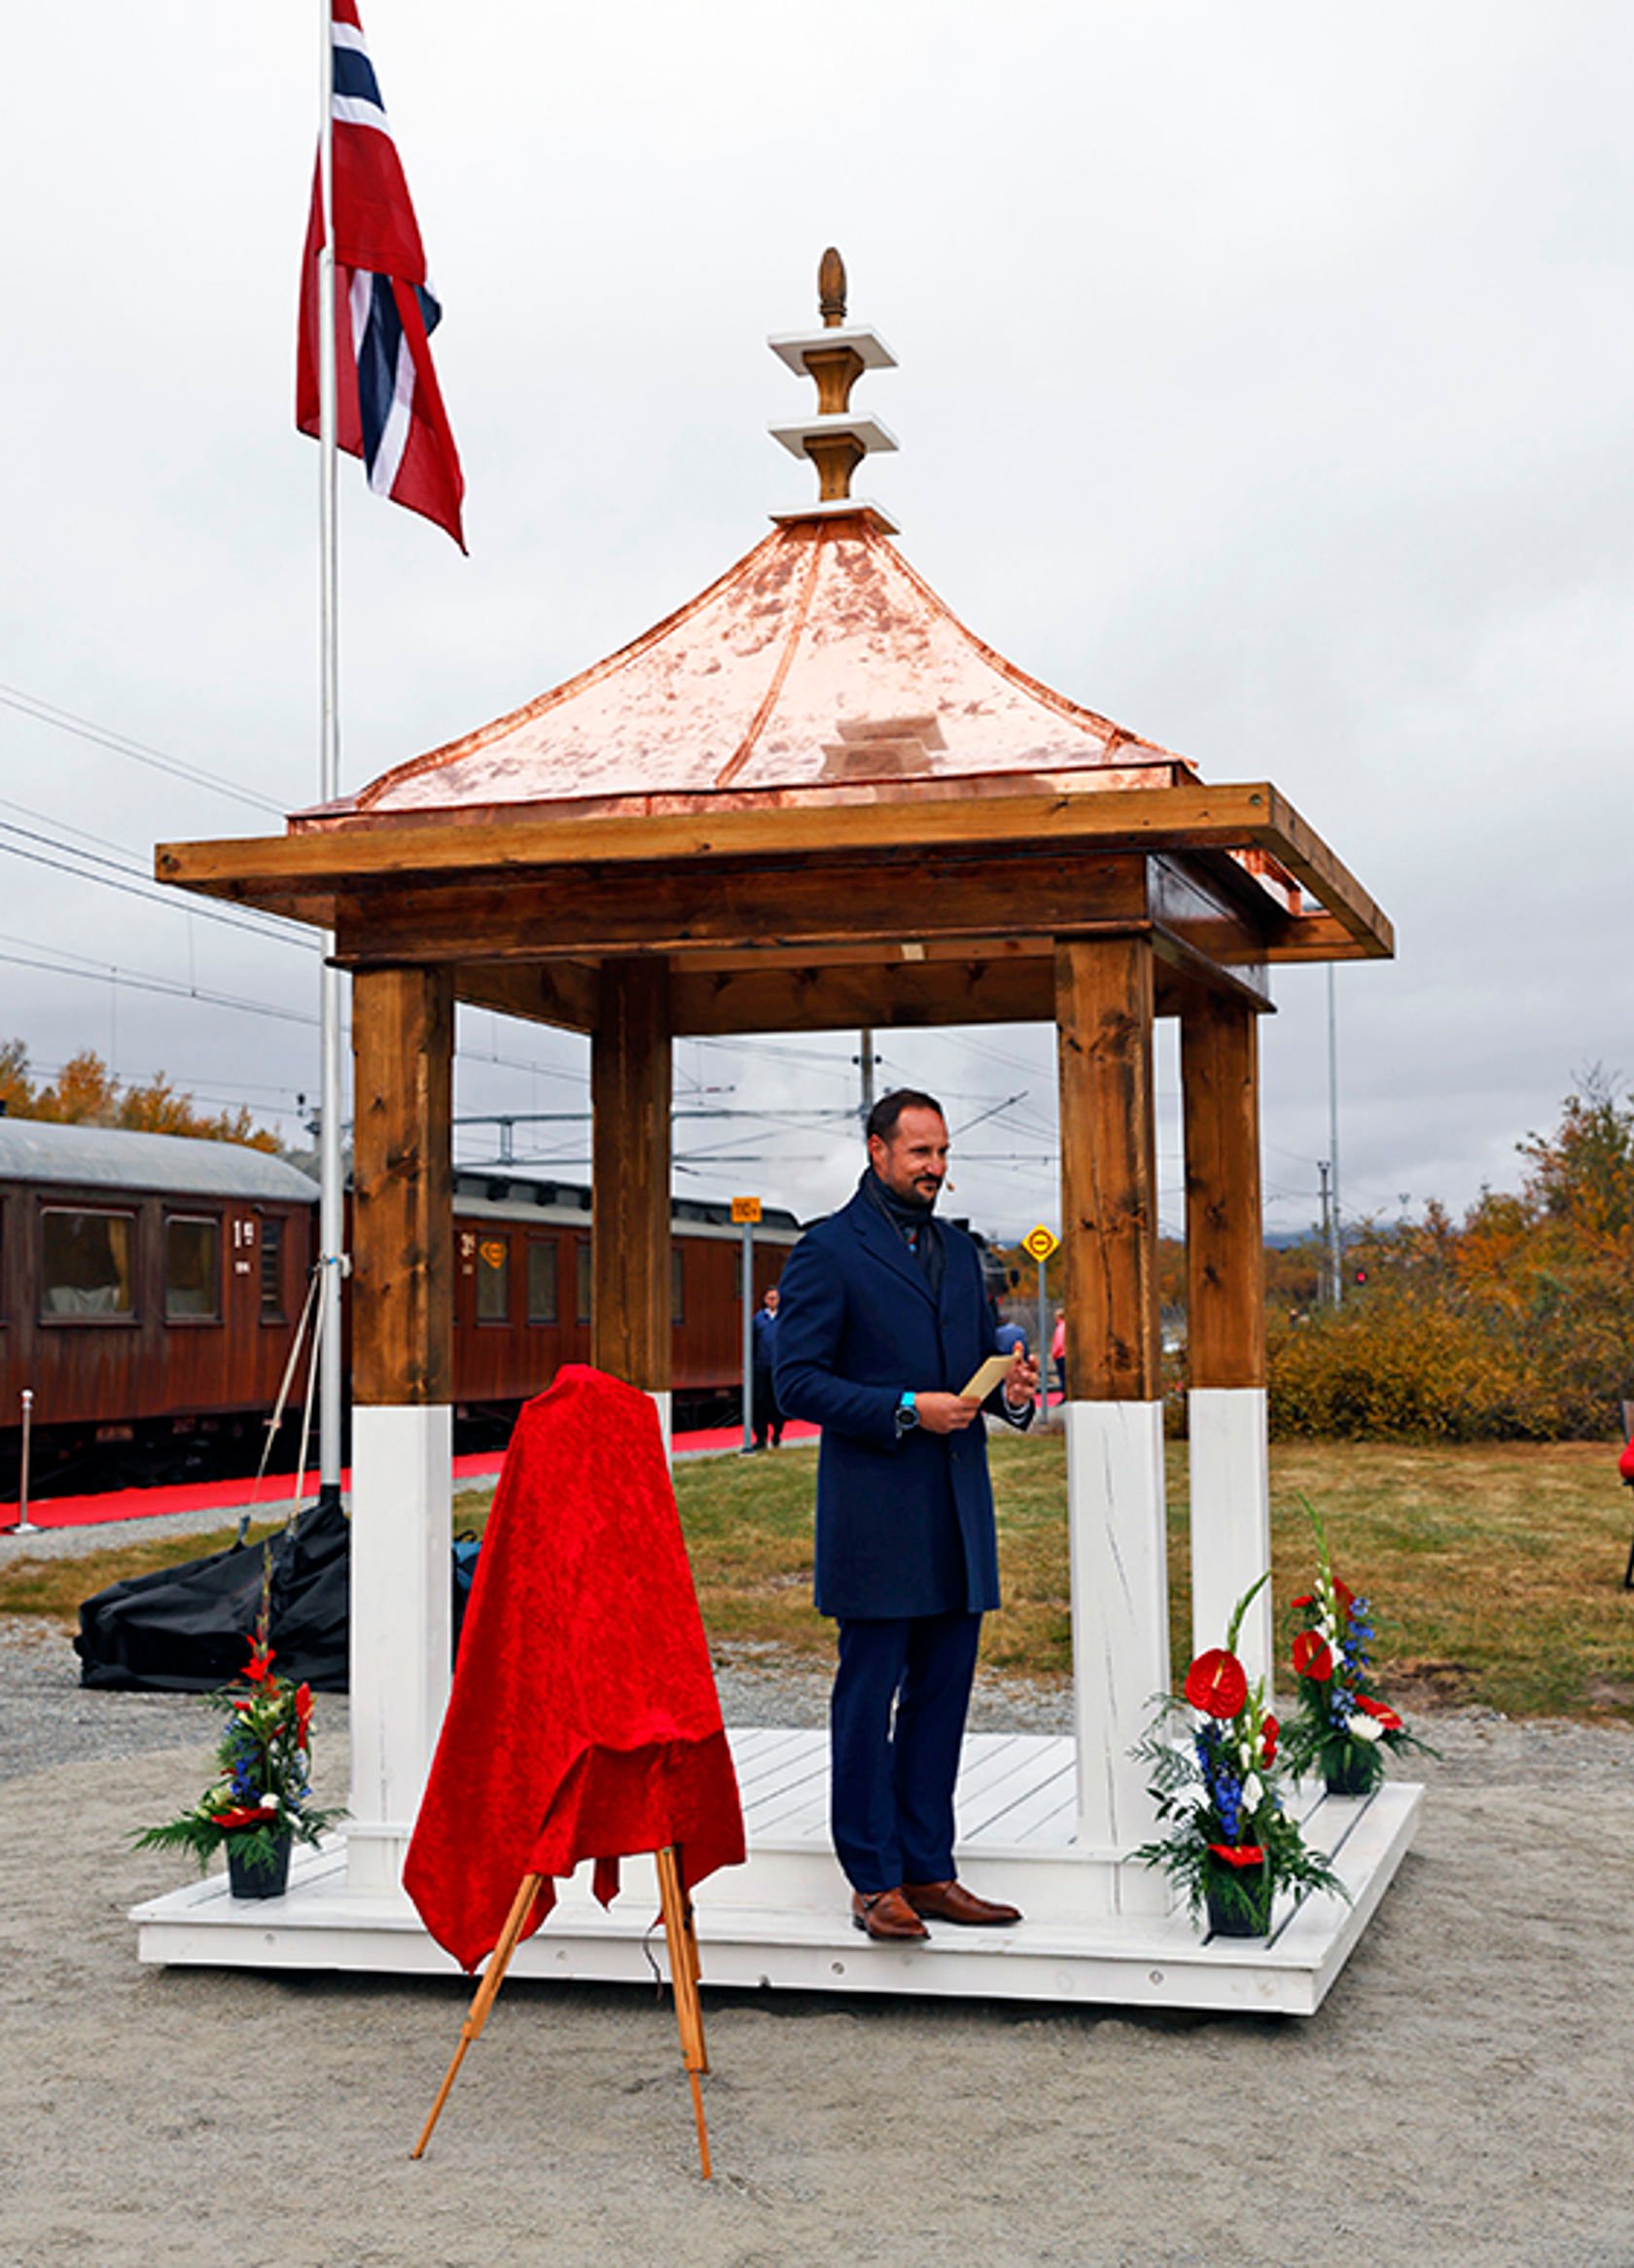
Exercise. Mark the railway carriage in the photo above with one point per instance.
(149, 1292)
(150, 1287)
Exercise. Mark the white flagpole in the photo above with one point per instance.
(331, 1223)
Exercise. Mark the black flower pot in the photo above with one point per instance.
(1357, 1772)
(251, 1876)
(1244, 1915)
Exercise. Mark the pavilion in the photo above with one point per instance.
(811, 799)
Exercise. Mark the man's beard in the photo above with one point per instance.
(915, 1196)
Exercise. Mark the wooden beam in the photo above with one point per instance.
(1182, 969)
(1225, 1229)
(1104, 1005)
(402, 1282)
(658, 909)
(1327, 878)
(1299, 938)
(779, 993)
(308, 867)
(630, 1102)
(564, 993)
(888, 994)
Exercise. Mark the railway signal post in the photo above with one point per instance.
(746, 1211)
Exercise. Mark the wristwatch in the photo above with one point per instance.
(907, 1415)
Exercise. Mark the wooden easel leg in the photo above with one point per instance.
(682, 1940)
(488, 1992)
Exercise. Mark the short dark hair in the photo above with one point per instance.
(883, 1119)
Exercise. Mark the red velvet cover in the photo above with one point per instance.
(584, 1721)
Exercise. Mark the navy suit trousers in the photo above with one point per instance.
(891, 1791)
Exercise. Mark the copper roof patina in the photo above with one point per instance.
(820, 668)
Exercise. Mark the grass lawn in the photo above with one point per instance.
(1495, 1570)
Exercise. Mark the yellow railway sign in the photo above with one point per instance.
(1040, 1242)
(745, 1209)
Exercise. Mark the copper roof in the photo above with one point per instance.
(819, 668)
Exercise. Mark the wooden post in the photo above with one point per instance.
(630, 1102)
(1114, 1408)
(402, 1390)
(1226, 1323)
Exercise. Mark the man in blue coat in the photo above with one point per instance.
(883, 1318)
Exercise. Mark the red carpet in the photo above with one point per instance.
(270, 1499)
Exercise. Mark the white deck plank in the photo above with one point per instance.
(758, 1757)
(1045, 1814)
(982, 1811)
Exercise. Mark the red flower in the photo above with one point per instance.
(1268, 1740)
(1311, 1656)
(1380, 1710)
(1217, 1682)
(302, 1713)
(1308, 1601)
(1344, 1595)
(244, 1815)
(1238, 1854)
(260, 1664)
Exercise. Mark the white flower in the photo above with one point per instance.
(1254, 1791)
(270, 1801)
(1362, 1727)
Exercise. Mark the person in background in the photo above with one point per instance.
(768, 1418)
(1058, 1352)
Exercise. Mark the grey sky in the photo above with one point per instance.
(1263, 385)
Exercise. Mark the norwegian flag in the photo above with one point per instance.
(390, 408)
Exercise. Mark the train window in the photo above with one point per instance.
(85, 1261)
(493, 1279)
(271, 1271)
(584, 1308)
(677, 1285)
(540, 1280)
(192, 1269)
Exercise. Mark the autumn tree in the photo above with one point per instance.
(85, 1093)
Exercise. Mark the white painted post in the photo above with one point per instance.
(1231, 1520)
(1119, 1609)
(401, 1628)
(22, 1525)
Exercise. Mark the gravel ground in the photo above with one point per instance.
(1462, 2096)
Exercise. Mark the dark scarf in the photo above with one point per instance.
(914, 1224)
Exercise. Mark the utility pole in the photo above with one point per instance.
(866, 1062)
(1335, 1245)
(1328, 1245)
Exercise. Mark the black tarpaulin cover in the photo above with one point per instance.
(185, 1629)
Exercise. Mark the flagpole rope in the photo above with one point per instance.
(330, 1202)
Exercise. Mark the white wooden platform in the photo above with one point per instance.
(1095, 1932)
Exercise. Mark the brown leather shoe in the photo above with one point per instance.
(887, 1916)
(951, 1902)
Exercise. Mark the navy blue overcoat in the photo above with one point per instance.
(896, 1513)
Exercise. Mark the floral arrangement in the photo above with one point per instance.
(263, 1793)
(1344, 1729)
(1227, 1842)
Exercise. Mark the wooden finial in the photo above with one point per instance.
(831, 288)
